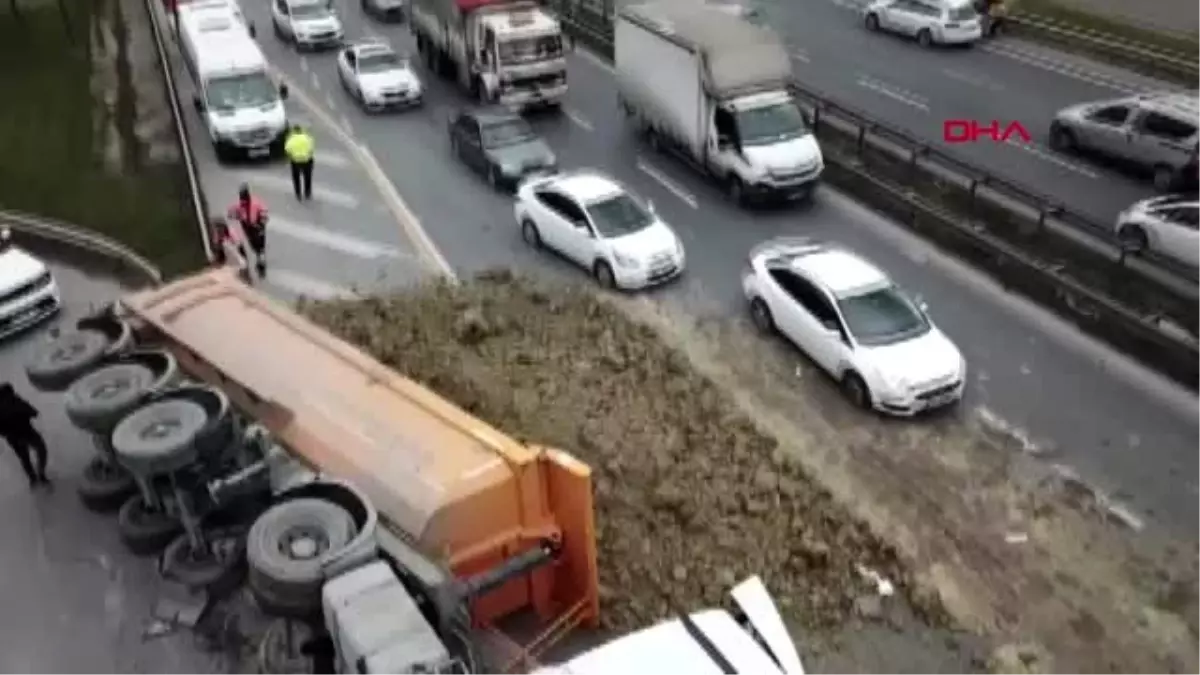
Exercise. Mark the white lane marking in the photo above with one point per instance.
(1048, 156)
(278, 183)
(973, 80)
(667, 183)
(335, 159)
(330, 102)
(578, 119)
(304, 285)
(359, 248)
(304, 64)
(345, 122)
(399, 210)
(907, 98)
(316, 84)
(1059, 67)
(801, 56)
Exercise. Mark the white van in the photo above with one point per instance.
(241, 106)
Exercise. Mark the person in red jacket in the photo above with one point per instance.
(252, 215)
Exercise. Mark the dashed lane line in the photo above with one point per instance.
(894, 93)
(343, 243)
(671, 186)
(579, 120)
(1049, 156)
(283, 184)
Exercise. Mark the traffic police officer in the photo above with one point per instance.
(299, 149)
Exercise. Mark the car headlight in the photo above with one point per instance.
(897, 386)
(625, 261)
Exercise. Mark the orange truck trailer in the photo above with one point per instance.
(481, 525)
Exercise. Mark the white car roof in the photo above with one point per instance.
(210, 18)
(229, 52)
(371, 48)
(839, 270)
(587, 187)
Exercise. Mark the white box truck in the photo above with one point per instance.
(501, 51)
(240, 105)
(712, 87)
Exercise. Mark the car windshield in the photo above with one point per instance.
(507, 132)
(524, 50)
(379, 63)
(882, 317)
(618, 216)
(310, 10)
(240, 91)
(770, 124)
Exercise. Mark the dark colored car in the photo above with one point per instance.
(384, 10)
(500, 145)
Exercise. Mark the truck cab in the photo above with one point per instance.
(765, 141)
(750, 639)
(521, 57)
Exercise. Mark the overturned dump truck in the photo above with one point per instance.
(389, 530)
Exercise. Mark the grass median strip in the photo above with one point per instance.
(70, 126)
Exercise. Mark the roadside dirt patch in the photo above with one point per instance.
(691, 495)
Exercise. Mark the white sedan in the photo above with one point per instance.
(593, 221)
(377, 77)
(1169, 226)
(28, 292)
(854, 323)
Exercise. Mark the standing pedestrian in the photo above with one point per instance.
(299, 149)
(251, 214)
(16, 427)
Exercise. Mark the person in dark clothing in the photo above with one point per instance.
(322, 655)
(16, 427)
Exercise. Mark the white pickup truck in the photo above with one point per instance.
(713, 87)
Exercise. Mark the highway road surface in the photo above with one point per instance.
(894, 80)
(75, 600)
(1127, 429)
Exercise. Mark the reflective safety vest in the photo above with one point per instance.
(299, 147)
(250, 214)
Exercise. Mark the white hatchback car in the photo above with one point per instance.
(931, 22)
(308, 24)
(377, 77)
(28, 292)
(1169, 226)
(855, 323)
(593, 221)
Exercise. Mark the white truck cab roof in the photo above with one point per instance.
(209, 17)
(228, 54)
(709, 641)
(519, 23)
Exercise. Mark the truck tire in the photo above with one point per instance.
(278, 654)
(98, 400)
(56, 365)
(104, 487)
(218, 569)
(286, 549)
(160, 437)
(145, 531)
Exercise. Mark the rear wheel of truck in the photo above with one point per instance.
(160, 437)
(104, 487)
(58, 364)
(217, 567)
(145, 530)
(287, 548)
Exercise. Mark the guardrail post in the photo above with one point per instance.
(816, 118)
(860, 143)
(914, 155)
(1043, 213)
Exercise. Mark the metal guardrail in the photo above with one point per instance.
(195, 189)
(1028, 240)
(1179, 64)
(64, 233)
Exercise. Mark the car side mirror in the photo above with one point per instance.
(650, 207)
(198, 103)
(921, 304)
(808, 119)
(253, 31)
(284, 92)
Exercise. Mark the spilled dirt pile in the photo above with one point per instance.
(691, 497)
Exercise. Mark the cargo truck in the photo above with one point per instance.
(506, 52)
(708, 85)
